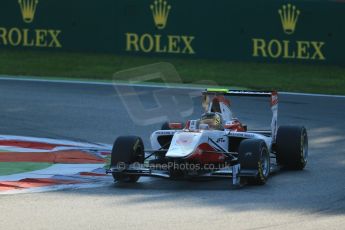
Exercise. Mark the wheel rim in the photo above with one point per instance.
(304, 147)
(140, 154)
(265, 162)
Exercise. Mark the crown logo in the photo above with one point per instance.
(160, 10)
(289, 16)
(28, 9)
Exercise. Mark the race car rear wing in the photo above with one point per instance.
(250, 93)
(273, 95)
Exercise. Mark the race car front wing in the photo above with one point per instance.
(234, 172)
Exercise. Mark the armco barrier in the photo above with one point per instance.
(249, 30)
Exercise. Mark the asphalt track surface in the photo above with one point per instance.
(309, 199)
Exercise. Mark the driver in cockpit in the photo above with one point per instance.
(213, 120)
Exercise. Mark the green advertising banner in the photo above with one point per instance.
(249, 30)
(78, 25)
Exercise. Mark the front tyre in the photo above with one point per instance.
(127, 150)
(292, 147)
(254, 155)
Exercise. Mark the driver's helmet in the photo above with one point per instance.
(213, 120)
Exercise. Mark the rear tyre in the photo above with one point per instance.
(292, 147)
(127, 150)
(165, 126)
(254, 155)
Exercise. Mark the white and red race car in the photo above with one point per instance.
(216, 145)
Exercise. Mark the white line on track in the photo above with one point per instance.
(153, 85)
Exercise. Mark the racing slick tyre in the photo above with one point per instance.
(165, 126)
(127, 150)
(292, 147)
(254, 155)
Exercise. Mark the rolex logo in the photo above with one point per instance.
(28, 9)
(289, 17)
(160, 10)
